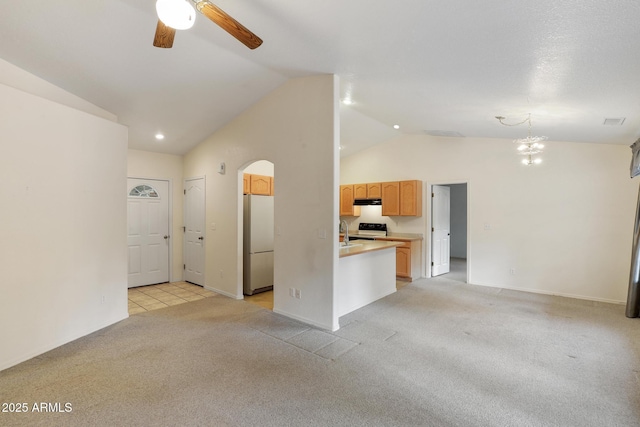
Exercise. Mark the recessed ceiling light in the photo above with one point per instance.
(396, 126)
(159, 136)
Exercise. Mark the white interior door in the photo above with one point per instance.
(440, 229)
(148, 231)
(194, 213)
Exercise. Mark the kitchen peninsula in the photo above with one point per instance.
(366, 273)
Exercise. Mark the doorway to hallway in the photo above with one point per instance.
(449, 231)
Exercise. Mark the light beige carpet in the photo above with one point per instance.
(436, 353)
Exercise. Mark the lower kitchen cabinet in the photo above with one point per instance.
(408, 258)
(403, 262)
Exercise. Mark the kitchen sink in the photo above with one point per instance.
(350, 245)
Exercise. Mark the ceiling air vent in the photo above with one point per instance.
(449, 133)
(618, 121)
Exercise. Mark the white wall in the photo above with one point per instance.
(296, 128)
(145, 164)
(62, 224)
(17, 78)
(261, 167)
(565, 226)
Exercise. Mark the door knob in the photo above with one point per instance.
(200, 238)
(166, 237)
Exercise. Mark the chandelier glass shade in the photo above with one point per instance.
(177, 14)
(530, 146)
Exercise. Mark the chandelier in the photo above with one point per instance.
(530, 146)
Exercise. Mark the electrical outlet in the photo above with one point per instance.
(513, 271)
(292, 292)
(221, 275)
(298, 294)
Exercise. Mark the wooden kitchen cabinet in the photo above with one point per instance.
(257, 184)
(399, 198)
(261, 185)
(410, 198)
(246, 184)
(408, 257)
(390, 198)
(403, 262)
(374, 191)
(347, 195)
(360, 191)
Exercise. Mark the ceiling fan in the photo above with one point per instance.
(180, 15)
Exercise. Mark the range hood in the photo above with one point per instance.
(367, 202)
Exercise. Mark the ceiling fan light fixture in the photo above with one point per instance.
(177, 14)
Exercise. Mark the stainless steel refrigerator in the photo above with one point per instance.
(258, 244)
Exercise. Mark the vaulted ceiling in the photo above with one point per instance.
(436, 67)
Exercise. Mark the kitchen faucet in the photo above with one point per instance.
(346, 232)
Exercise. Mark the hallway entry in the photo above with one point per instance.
(448, 231)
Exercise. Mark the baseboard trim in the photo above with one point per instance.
(556, 294)
(39, 350)
(225, 293)
(304, 320)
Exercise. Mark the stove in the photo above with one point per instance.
(367, 230)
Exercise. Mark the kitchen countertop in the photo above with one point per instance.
(364, 246)
(402, 236)
(406, 237)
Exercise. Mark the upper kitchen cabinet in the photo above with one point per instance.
(390, 198)
(257, 184)
(347, 194)
(374, 191)
(360, 191)
(246, 183)
(410, 198)
(403, 198)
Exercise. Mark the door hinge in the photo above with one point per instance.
(184, 266)
(184, 229)
(432, 195)
(431, 263)
(185, 192)
(432, 229)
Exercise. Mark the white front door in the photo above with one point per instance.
(440, 229)
(148, 231)
(194, 214)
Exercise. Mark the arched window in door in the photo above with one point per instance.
(143, 191)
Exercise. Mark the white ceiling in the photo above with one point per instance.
(441, 67)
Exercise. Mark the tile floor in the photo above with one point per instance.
(147, 298)
(262, 299)
(152, 297)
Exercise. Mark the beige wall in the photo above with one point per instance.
(17, 78)
(63, 223)
(144, 164)
(295, 128)
(565, 226)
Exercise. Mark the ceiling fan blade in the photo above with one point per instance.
(164, 36)
(229, 24)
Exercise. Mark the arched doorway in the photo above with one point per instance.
(258, 233)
